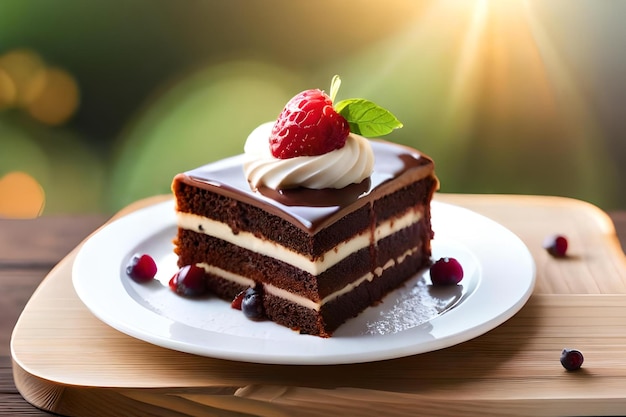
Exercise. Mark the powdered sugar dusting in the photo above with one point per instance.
(413, 307)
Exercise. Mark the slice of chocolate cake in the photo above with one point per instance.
(320, 234)
(320, 256)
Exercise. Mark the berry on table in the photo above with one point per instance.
(252, 304)
(308, 126)
(556, 245)
(446, 271)
(141, 268)
(571, 359)
(190, 281)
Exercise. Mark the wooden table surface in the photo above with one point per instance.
(29, 249)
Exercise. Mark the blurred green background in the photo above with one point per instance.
(102, 103)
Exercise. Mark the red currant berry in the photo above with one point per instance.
(446, 271)
(190, 281)
(556, 245)
(571, 359)
(141, 268)
(236, 303)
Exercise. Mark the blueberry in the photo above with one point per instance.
(252, 304)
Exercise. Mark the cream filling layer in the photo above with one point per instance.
(274, 250)
(303, 301)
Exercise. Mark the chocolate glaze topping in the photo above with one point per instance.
(312, 210)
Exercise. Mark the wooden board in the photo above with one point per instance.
(68, 362)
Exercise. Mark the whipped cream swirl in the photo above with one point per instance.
(350, 164)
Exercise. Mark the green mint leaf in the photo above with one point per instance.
(366, 118)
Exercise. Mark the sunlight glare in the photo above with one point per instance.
(466, 71)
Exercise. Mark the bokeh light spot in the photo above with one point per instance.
(8, 92)
(57, 98)
(22, 66)
(21, 196)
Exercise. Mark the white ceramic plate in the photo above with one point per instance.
(417, 318)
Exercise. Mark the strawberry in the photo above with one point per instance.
(307, 126)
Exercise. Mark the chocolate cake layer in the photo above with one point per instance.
(241, 216)
(395, 167)
(193, 247)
